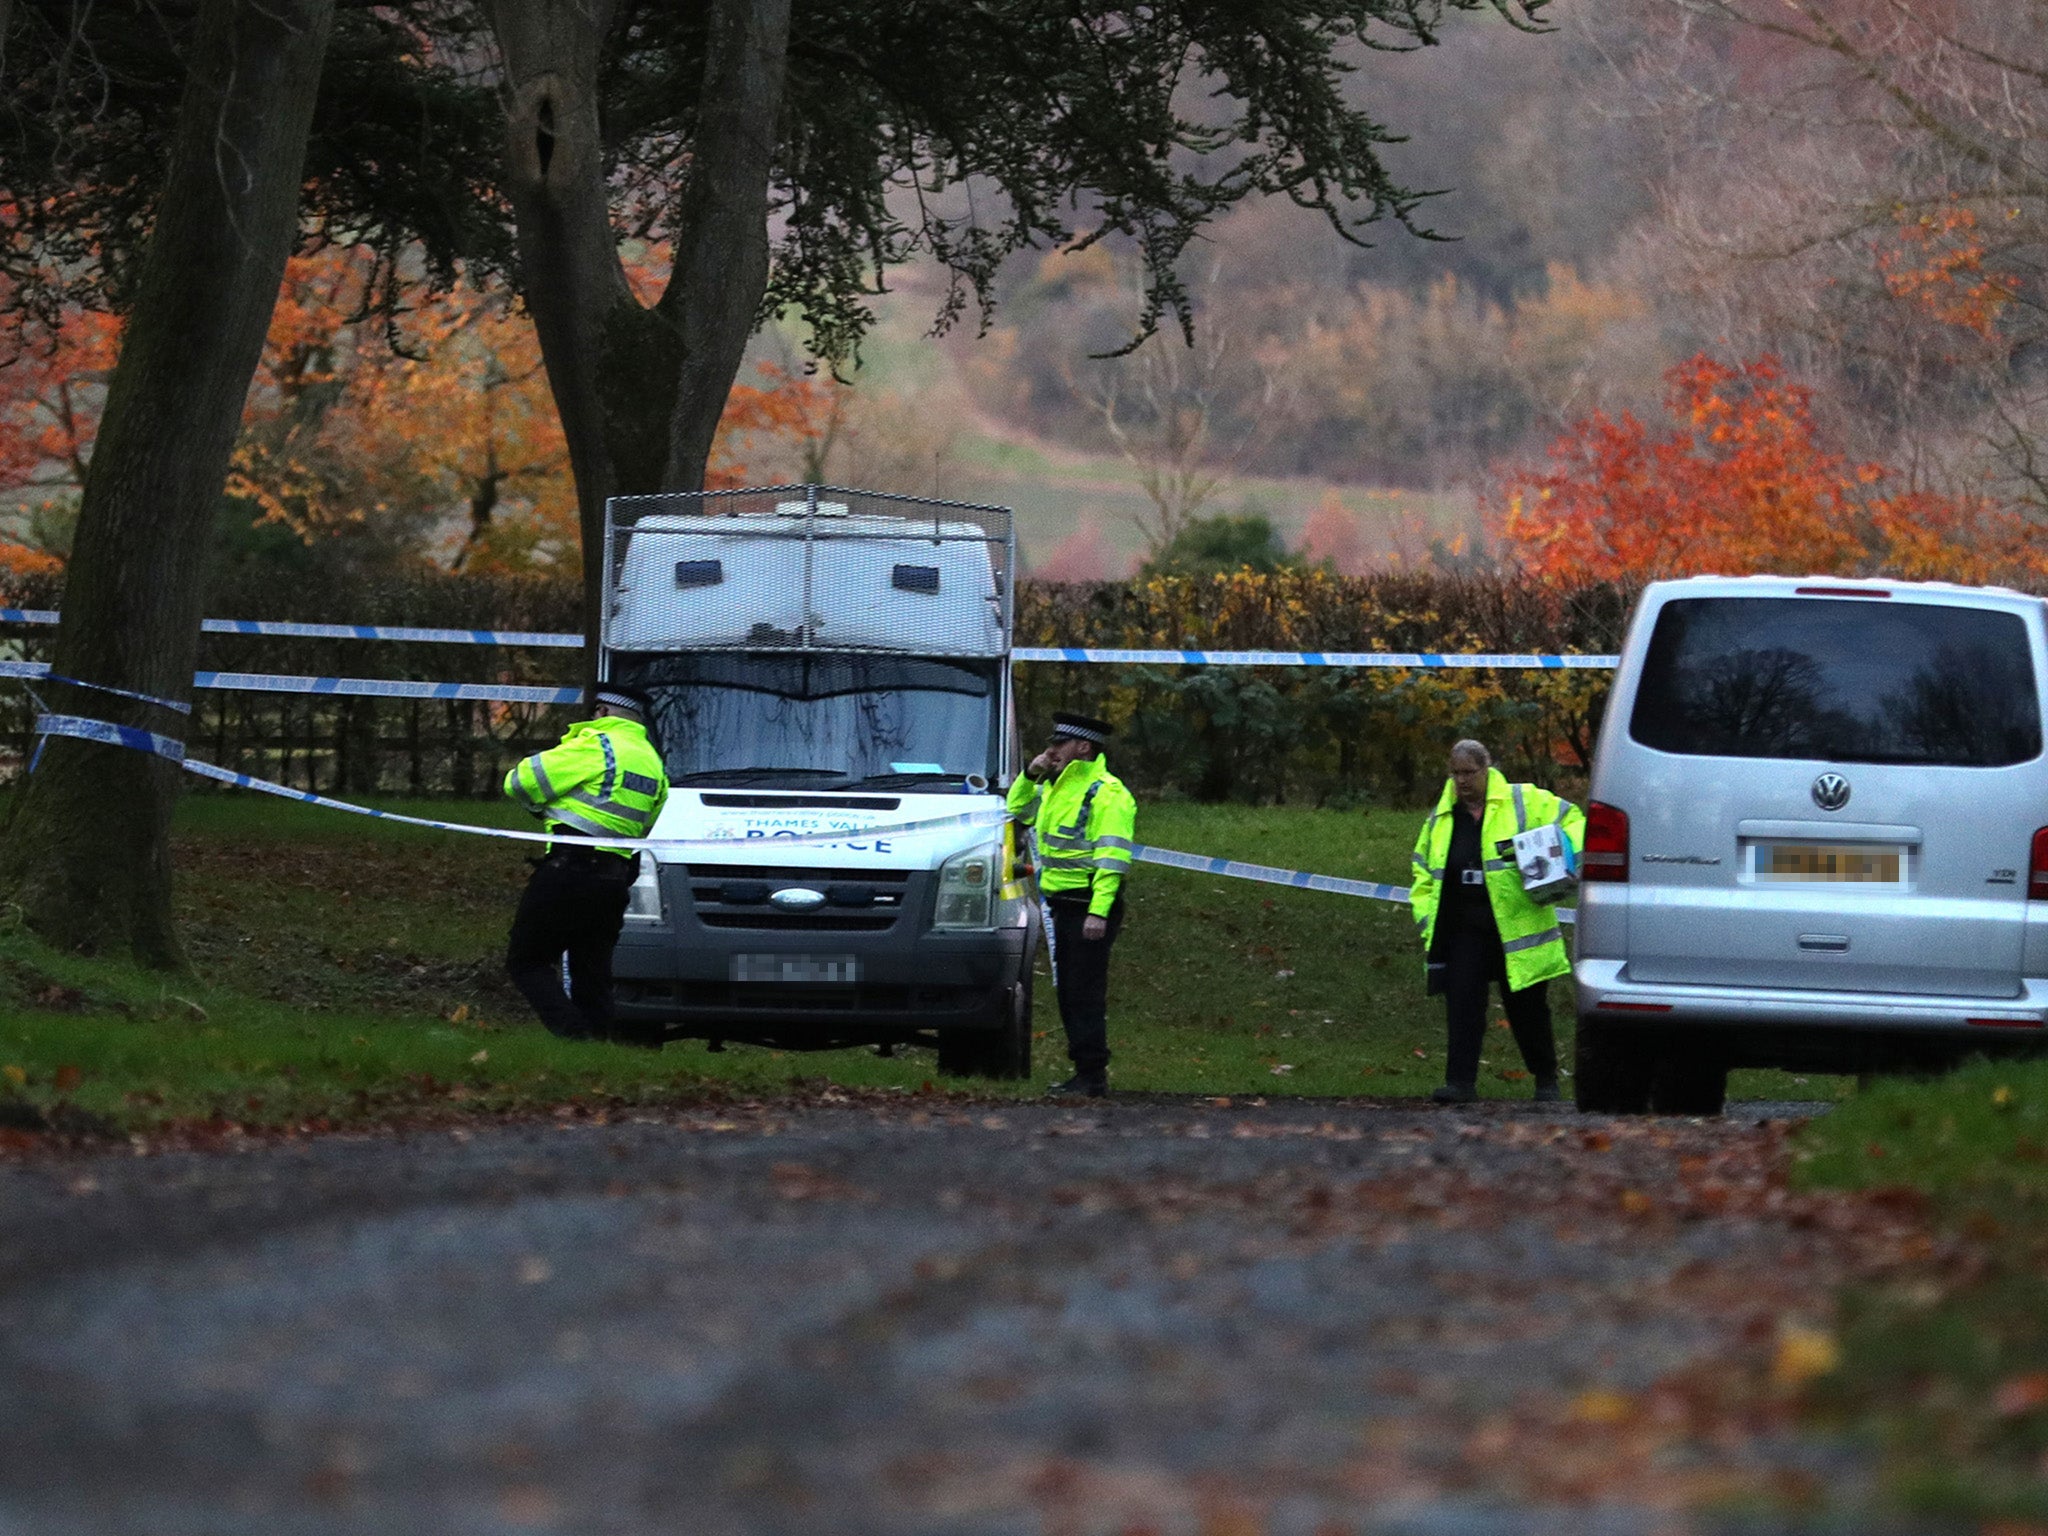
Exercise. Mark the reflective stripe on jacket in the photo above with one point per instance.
(1087, 830)
(603, 776)
(1528, 933)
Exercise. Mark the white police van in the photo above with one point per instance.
(1818, 837)
(830, 673)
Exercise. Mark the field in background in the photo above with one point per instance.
(1074, 508)
(348, 968)
(1057, 493)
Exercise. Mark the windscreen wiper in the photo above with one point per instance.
(742, 776)
(900, 780)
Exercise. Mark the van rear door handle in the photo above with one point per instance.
(1826, 943)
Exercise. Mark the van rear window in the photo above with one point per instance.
(1839, 681)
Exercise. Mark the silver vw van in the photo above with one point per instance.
(1817, 837)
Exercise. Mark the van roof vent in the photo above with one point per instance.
(915, 578)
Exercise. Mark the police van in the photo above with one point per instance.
(1816, 837)
(830, 675)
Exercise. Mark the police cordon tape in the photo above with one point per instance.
(291, 629)
(1299, 879)
(353, 687)
(1502, 661)
(522, 693)
(170, 748)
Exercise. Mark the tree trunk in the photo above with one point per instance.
(87, 853)
(639, 388)
(721, 265)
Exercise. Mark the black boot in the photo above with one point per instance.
(1089, 1085)
(1454, 1093)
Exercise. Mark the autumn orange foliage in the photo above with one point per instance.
(18, 560)
(50, 384)
(433, 428)
(1937, 263)
(1331, 537)
(806, 411)
(441, 415)
(1739, 481)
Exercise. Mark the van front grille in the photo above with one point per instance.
(825, 920)
(795, 874)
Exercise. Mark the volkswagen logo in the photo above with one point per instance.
(797, 898)
(1831, 791)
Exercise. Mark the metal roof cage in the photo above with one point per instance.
(807, 568)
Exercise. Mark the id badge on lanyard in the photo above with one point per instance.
(1472, 877)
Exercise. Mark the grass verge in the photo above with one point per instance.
(347, 968)
(1946, 1369)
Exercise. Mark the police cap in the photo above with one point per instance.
(1082, 727)
(618, 698)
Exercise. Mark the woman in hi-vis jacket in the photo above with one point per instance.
(1479, 929)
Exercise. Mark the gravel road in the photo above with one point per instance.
(868, 1315)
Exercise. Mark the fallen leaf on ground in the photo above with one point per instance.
(1602, 1405)
(1803, 1353)
(2021, 1394)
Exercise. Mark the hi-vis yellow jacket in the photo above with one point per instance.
(602, 776)
(1087, 827)
(1528, 933)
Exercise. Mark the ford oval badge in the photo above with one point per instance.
(797, 898)
(1831, 791)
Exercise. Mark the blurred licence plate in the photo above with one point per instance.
(813, 969)
(1827, 863)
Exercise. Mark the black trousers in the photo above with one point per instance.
(1474, 963)
(1080, 973)
(574, 905)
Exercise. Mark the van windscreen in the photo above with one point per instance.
(1840, 681)
(775, 718)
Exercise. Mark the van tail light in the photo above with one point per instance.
(1606, 855)
(2037, 868)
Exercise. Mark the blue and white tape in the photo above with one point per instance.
(112, 735)
(352, 687)
(1502, 661)
(1111, 656)
(1300, 879)
(291, 629)
(385, 688)
(1297, 879)
(539, 693)
(41, 671)
(299, 631)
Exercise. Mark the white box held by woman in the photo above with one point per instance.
(1549, 871)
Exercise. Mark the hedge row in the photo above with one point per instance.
(1327, 735)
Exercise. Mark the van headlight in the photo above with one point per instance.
(643, 900)
(967, 885)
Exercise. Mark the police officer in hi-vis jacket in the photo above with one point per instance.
(1085, 825)
(604, 778)
(1478, 927)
